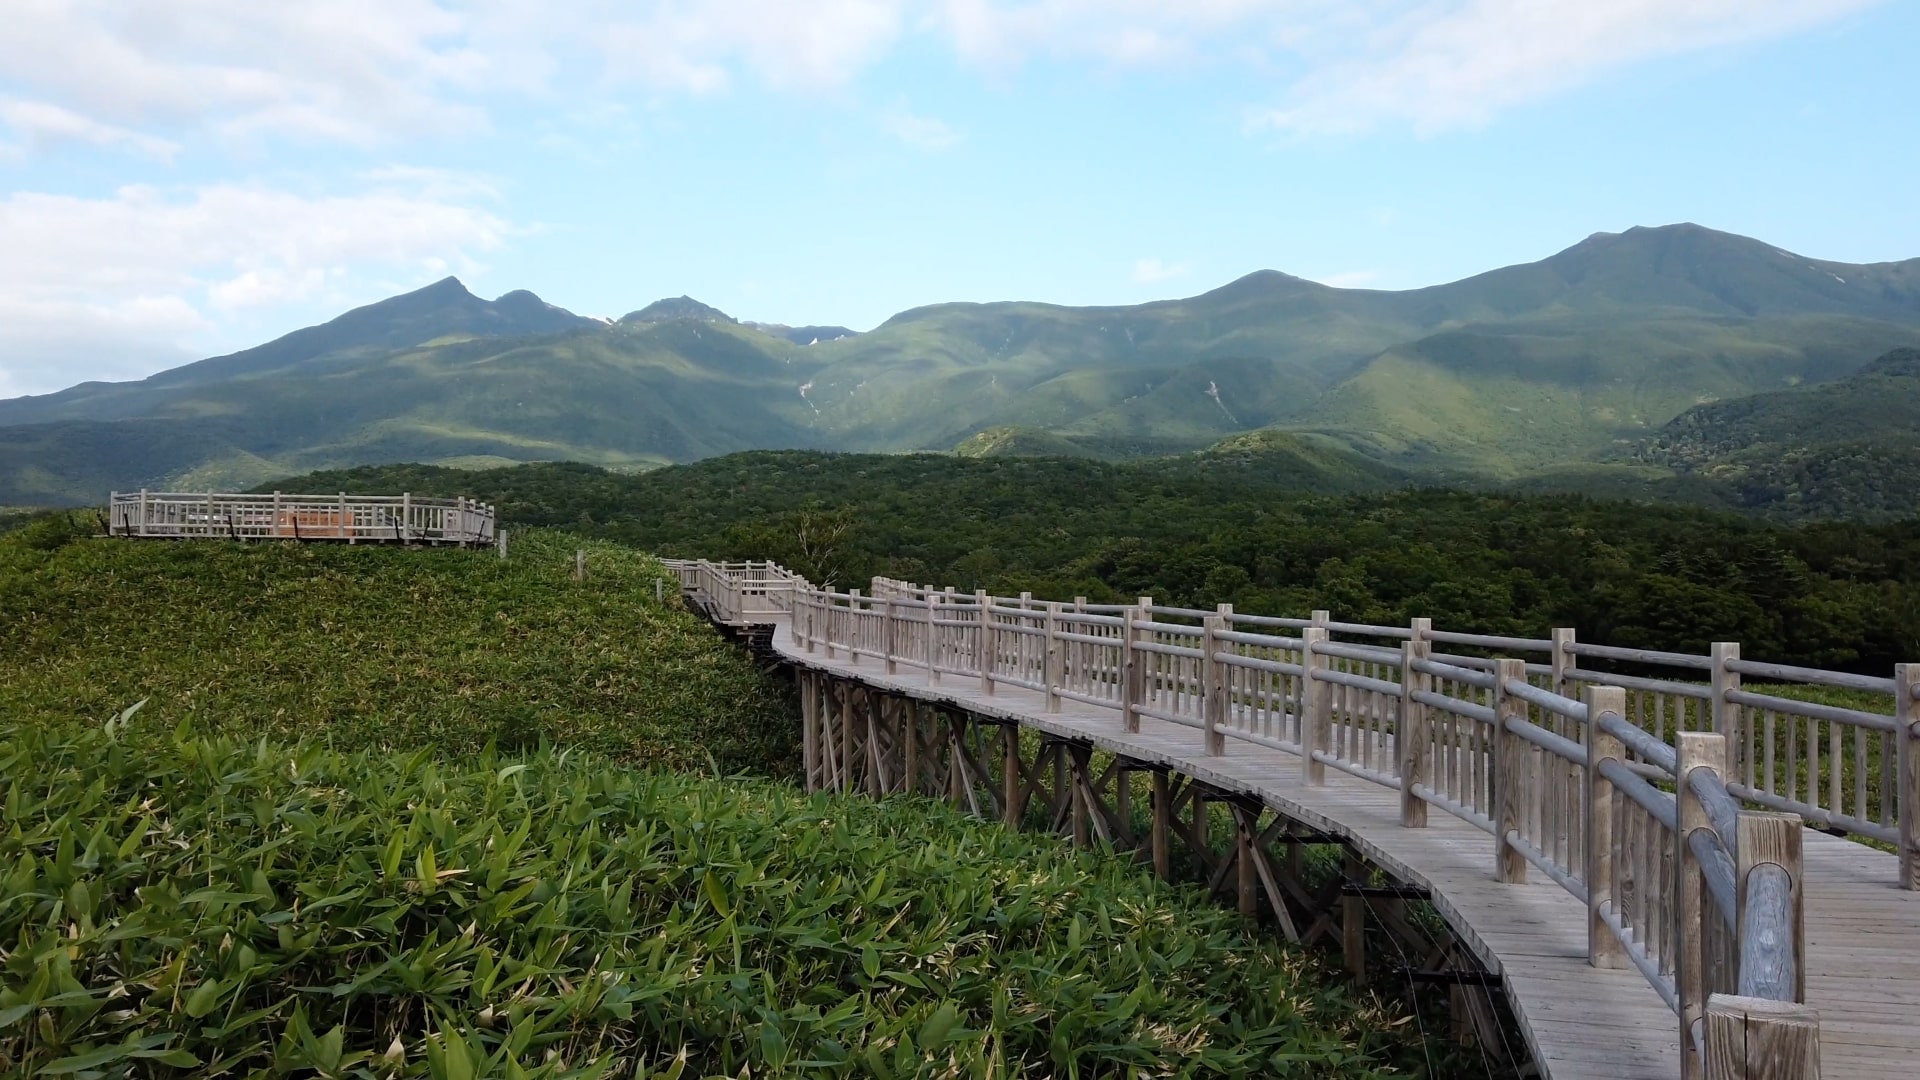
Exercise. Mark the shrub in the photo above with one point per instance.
(210, 905)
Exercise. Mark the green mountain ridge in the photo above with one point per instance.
(1534, 367)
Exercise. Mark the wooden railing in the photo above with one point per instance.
(1632, 790)
(739, 593)
(404, 518)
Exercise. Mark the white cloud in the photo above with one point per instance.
(41, 125)
(1459, 63)
(118, 285)
(921, 132)
(1348, 65)
(1155, 271)
(146, 76)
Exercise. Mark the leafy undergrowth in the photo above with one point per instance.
(379, 647)
(227, 908)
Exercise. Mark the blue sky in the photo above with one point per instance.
(183, 179)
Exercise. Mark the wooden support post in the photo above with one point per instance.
(1512, 757)
(1695, 750)
(1213, 681)
(1244, 839)
(499, 538)
(910, 754)
(1353, 919)
(1906, 738)
(1162, 812)
(1052, 656)
(876, 781)
(1603, 948)
(983, 656)
(1757, 1039)
(846, 736)
(1199, 830)
(1012, 807)
(809, 719)
(1077, 790)
(580, 564)
(1316, 705)
(1772, 909)
(956, 763)
(1412, 740)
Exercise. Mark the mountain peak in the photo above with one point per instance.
(678, 307)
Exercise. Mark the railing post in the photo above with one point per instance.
(1512, 758)
(1603, 948)
(1564, 661)
(1757, 1039)
(1695, 750)
(933, 637)
(1771, 915)
(853, 627)
(277, 523)
(1413, 742)
(406, 515)
(1053, 677)
(1316, 705)
(886, 635)
(1906, 739)
(1726, 715)
(1132, 672)
(143, 512)
(1213, 681)
(983, 654)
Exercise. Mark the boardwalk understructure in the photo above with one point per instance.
(1621, 845)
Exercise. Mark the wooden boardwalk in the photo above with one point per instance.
(1860, 949)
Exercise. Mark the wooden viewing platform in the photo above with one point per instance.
(1621, 851)
(352, 519)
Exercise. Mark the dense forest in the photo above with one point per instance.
(1202, 530)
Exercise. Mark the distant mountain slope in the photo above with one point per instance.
(1507, 399)
(444, 309)
(1526, 368)
(1846, 448)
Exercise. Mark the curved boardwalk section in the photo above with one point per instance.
(1614, 838)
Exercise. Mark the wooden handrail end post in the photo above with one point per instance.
(1760, 1039)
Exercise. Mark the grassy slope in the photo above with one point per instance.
(380, 647)
(285, 909)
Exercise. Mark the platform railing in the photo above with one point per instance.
(403, 518)
(1633, 792)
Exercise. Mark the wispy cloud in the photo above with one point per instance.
(1154, 271)
(40, 125)
(150, 271)
(1457, 64)
(921, 132)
